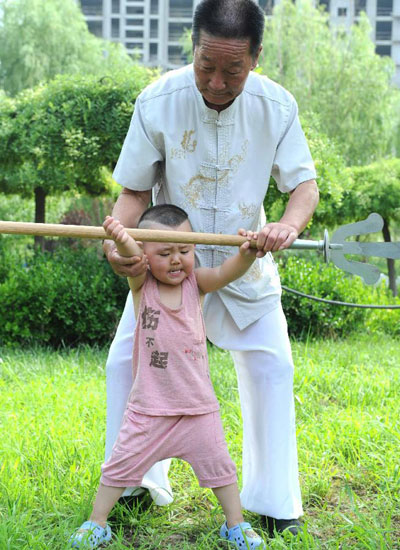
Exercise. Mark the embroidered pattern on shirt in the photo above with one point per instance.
(150, 318)
(202, 184)
(248, 210)
(253, 274)
(188, 145)
(159, 359)
(237, 160)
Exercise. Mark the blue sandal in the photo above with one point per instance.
(90, 535)
(243, 536)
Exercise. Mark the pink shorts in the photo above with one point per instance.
(144, 440)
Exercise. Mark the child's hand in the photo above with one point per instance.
(115, 230)
(245, 249)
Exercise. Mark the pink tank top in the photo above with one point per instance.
(170, 364)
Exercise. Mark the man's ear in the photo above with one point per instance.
(256, 58)
(193, 44)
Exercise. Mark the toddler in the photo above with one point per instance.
(172, 410)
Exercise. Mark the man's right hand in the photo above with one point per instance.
(125, 266)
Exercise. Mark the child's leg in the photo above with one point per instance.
(235, 528)
(105, 499)
(228, 497)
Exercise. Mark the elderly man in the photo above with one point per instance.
(208, 137)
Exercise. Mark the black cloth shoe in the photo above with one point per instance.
(273, 526)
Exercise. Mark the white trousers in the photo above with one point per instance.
(264, 366)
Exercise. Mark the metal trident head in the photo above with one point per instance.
(338, 247)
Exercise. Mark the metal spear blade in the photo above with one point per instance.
(369, 273)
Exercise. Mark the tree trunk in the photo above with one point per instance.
(40, 214)
(390, 261)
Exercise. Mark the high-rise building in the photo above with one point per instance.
(152, 28)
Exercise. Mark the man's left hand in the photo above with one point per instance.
(275, 236)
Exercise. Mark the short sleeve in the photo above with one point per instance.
(139, 160)
(292, 163)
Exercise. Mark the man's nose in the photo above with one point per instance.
(216, 82)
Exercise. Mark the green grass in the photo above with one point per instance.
(52, 418)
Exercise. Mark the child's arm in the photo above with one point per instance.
(210, 279)
(126, 246)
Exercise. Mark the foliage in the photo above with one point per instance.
(307, 317)
(61, 136)
(373, 188)
(65, 298)
(39, 40)
(336, 74)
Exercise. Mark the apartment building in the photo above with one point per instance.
(152, 28)
(384, 16)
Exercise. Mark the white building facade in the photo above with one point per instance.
(152, 28)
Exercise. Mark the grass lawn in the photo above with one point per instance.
(52, 417)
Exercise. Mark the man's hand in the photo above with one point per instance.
(275, 236)
(131, 266)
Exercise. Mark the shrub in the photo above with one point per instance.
(65, 298)
(308, 317)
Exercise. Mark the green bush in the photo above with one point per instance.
(308, 317)
(65, 298)
(71, 296)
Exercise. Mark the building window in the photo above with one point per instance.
(325, 3)
(95, 27)
(153, 28)
(180, 8)
(360, 5)
(115, 28)
(153, 52)
(175, 55)
(134, 10)
(384, 7)
(134, 22)
(154, 6)
(134, 34)
(342, 12)
(267, 6)
(383, 50)
(134, 45)
(115, 6)
(175, 31)
(383, 30)
(92, 7)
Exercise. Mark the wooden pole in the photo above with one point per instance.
(91, 232)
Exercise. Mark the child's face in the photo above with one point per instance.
(170, 263)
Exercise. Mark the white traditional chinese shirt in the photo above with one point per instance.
(217, 167)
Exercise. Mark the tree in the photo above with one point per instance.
(66, 134)
(39, 40)
(337, 75)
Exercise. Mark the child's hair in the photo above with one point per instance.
(166, 214)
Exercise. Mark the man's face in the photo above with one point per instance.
(221, 67)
